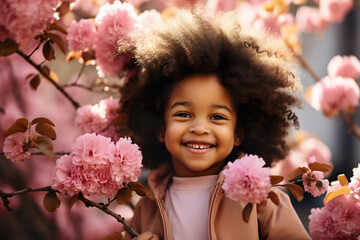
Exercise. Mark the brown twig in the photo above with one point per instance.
(38, 67)
(88, 203)
(104, 208)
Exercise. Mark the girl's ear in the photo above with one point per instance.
(237, 141)
(161, 135)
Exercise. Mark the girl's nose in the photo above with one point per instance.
(199, 127)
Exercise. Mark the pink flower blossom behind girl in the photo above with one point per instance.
(206, 93)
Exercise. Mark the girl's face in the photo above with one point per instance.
(200, 123)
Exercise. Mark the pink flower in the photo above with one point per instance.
(269, 22)
(315, 184)
(126, 165)
(335, 10)
(24, 19)
(14, 148)
(96, 118)
(81, 35)
(110, 106)
(332, 94)
(91, 118)
(346, 67)
(96, 166)
(354, 184)
(221, 5)
(92, 149)
(247, 180)
(309, 20)
(149, 18)
(117, 27)
(338, 219)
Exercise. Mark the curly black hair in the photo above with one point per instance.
(254, 68)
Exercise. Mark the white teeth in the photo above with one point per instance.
(198, 146)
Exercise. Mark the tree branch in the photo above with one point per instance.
(88, 203)
(38, 67)
(353, 128)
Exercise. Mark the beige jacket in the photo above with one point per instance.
(267, 221)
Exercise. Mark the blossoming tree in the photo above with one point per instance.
(76, 55)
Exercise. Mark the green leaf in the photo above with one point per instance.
(274, 198)
(140, 189)
(42, 120)
(44, 144)
(58, 40)
(275, 179)
(114, 236)
(316, 166)
(46, 130)
(8, 47)
(247, 212)
(20, 125)
(296, 191)
(48, 51)
(51, 202)
(35, 81)
(124, 195)
(298, 171)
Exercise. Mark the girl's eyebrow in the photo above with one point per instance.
(215, 106)
(222, 107)
(179, 104)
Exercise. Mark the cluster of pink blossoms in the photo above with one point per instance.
(14, 147)
(97, 166)
(300, 155)
(115, 29)
(339, 90)
(339, 218)
(24, 19)
(247, 180)
(315, 183)
(98, 118)
(314, 19)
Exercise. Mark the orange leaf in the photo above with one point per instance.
(8, 47)
(247, 212)
(72, 200)
(274, 198)
(316, 166)
(48, 51)
(35, 82)
(124, 195)
(58, 40)
(20, 125)
(46, 130)
(276, 179)
(300, 170)
(42, 120)
(296, 191)
(51, 202)
(139, 189)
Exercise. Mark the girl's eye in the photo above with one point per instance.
(218, 117)
(182, 115)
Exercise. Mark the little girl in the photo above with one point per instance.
(206, 94)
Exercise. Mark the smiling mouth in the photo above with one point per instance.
(198, 146)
